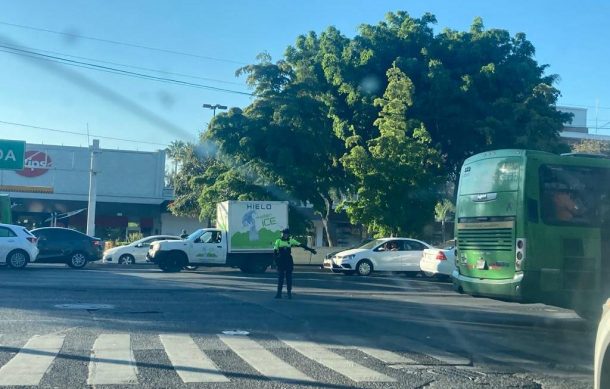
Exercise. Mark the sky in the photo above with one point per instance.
(204, 42)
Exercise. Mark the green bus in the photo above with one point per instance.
(534, 227)
(6, 213)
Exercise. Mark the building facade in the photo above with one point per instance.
(53, 188)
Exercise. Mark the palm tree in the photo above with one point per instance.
(175, 151)
(442, 211)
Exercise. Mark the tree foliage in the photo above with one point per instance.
(192, 164)
(591, 146)
(379, 120)
(442, 211)
(396, 172)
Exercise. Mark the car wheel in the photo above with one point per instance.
(127, 259)
(77, 260)
(172, 264)
(18, 259)
(364, 267)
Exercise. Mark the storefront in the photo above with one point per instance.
(53, 189)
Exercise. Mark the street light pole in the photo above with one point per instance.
(95, 150)
(214, 107)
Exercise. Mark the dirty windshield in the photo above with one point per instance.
(310, 194)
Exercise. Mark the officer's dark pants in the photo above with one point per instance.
(284, 270)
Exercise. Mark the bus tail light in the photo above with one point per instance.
(519, 254)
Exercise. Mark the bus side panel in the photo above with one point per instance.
(562, 261)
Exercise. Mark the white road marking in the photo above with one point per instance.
(333, 361)
(191, 364)
(366, 347)
(112, 361)
(444, 356)
(262, 360)
(31, 363)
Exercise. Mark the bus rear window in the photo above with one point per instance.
(573, 195)
(491, 175)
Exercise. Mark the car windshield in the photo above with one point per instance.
(372, 244)
(309, 194)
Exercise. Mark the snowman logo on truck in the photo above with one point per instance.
(249, 221)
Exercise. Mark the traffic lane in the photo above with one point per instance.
(311, 313)
(138, 277)
(309, 283)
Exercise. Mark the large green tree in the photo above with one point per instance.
(320, 128)
(396, 172)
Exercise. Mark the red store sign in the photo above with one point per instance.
(36, 164)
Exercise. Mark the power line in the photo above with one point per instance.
(139, 67)
(73, 35)
(66, 61)
(81, 133)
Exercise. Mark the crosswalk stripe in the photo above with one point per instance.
(262, 360)
(31, 363)
(191, 364)
(112, 361)
(444, 356)
(333, 361)
(384, 356)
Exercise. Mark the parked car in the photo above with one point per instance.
(601, 370)
(63, 245)
(388, 254)
(439, 261)
(134, 252)
(17, 246)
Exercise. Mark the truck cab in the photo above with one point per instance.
(202, 247)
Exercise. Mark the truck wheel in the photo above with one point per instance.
(253, 268)
(172, 264)
(260, 268)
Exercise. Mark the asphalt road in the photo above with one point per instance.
(111, 326)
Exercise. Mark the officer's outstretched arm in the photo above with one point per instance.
(304, 246)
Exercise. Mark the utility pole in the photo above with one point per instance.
(95, 150)
(214, 107)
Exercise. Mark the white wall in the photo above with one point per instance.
(124, 176)
(580, 116)
(173, 225)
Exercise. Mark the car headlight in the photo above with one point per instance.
(348, 257)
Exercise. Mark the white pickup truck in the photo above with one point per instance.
(244, 239)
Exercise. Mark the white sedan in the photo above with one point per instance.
(388, 254)
(17, 246)
(135, 251)
(441, 261)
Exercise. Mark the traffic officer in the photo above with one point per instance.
(283, 260)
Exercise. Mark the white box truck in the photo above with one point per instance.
(244, 236)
